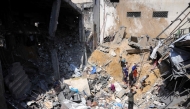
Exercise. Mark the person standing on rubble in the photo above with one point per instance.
(131, 79)
(125, 73)
(131, 98)
(122, 61)
(143, 82)
(135, 73)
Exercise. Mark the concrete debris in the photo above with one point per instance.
(83, 84)
(48, 104)
(121, 93)
(103, 48)
(135, 51)
(112, 52)
(119, 35)
(118, 87)
(140, 44)
(159, 104)
(30, 102)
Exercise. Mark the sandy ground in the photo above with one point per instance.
(114, 68)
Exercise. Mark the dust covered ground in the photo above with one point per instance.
(114, 69)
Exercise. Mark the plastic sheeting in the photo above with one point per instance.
(180, 55)
(76, 71)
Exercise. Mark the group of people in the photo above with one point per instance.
(132, 79)
(125, 70)
(133, 75)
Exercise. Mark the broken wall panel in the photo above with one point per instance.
(119, 35)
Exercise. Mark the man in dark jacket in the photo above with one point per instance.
(131, 98)
(131, 79)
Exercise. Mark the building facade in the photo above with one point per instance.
(140, 17)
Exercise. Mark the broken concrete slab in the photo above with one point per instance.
(121, 93)
(119, 35)
(79, 83)
(118, 88)
(139, 44)
(61, 97)
(135, 51)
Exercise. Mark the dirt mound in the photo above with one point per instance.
(115, 70)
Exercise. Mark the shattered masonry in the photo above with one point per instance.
(56, 54)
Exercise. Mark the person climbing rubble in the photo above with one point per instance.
(143, 82)
(131, 98)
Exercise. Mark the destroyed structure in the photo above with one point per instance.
(56, 54)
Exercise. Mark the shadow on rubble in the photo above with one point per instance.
(36, 88)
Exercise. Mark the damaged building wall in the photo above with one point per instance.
(87, 10)
(114, 15)
(96, 22)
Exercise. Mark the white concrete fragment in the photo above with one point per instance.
(118, 88)
(112, 52)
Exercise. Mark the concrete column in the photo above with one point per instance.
(52, 29)
(2, 91)
(80, 28)
(54, 17)
(55, 64)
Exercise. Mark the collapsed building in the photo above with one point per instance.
(45, 44)
(36, 38)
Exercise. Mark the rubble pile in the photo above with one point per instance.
(69, 51)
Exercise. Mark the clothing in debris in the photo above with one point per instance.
(112, 88)
(131, 99)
